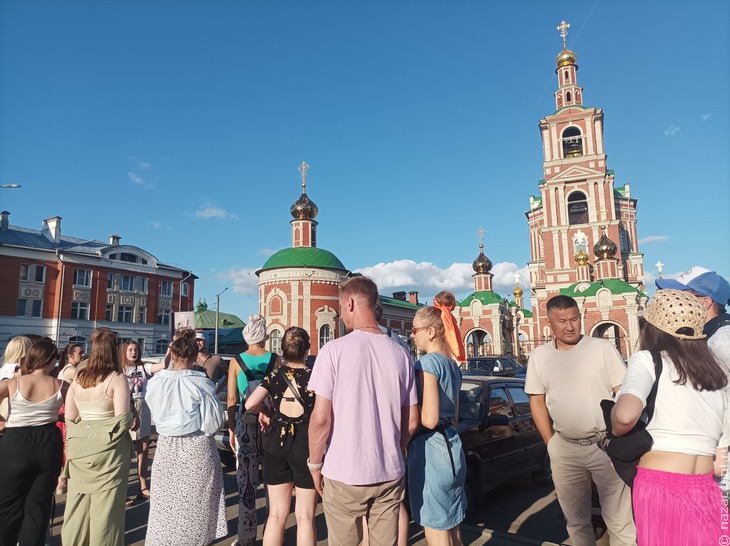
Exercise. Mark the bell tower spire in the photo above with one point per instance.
(569, 93)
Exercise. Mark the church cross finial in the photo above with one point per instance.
(563, 28)
(303, 168)
(517, 277)
(481, 233)
(659, 265)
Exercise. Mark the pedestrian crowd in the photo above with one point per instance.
(351, 429)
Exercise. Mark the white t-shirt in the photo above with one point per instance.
(574, 382)
(137, 377)
(685, 420)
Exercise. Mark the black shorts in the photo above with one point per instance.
(289, 466)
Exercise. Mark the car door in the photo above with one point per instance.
(524, 426)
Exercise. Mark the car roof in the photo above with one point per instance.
(469, 378)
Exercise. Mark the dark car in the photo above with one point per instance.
(499, 436)
(506, 366)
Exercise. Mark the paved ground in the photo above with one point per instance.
(506, 512)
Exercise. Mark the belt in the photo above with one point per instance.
(587, 441)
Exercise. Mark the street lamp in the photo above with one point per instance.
(217, 308)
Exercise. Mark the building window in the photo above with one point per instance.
(143, 285)
(163, 317)
(142, 315)
(275, 342)
(127, 283)
(183, 288)
(572, 142)
(32, 273)
(567, 96)
(82, 277)
(275, 306)
(125, 313)
(37, 310)
(577, 208)
(325, 334)
(166, 288)
(80, 310)
(22, 303)
(161, 346)
(109, 314)
(110, 281)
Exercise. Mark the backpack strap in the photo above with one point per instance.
(658, 366)
(292, 387)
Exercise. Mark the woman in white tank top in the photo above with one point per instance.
(31, 450)
(676, 500)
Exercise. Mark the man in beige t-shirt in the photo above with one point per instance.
(566, 380)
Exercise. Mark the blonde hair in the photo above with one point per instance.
(431, 317)
(17, 348)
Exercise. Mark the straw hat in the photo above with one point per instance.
(672, 310)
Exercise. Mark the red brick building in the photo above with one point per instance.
(578, 212)
(300, 285)
(64, 287)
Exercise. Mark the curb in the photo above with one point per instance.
(501, 538)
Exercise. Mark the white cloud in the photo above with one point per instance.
(244, 280)
(705, 117)
(429, 279)
(653, 239)
(268, 252)
(671, 130)
(137, 179)
(156, 224)
(210, 211)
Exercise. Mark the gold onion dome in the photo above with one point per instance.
(581, 258)
(517, 291)
(482, 264)
(304, 208)
(566, 58)
(605, 247)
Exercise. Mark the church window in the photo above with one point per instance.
(624, 240)
(572, 142)
(567, 96)
(325, 334)
(577, 208)
(275, 342)
(566, 75)
(275, 306)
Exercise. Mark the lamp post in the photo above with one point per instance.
(217, 307)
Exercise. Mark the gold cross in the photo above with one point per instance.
(563, 28)
(481, 233)
(303, 168)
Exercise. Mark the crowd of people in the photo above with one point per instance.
(350, 429)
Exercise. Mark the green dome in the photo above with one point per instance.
(301, 257)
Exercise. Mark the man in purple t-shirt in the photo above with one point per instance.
(365, 412)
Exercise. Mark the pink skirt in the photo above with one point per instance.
(679, 509)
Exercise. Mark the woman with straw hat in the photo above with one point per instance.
(676, 500)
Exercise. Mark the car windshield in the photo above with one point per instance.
(470, 398)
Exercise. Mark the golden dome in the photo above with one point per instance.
(581, 258)
(304, 208)
(605, 247)
(566, 58)
(482, 264)
(517, 292)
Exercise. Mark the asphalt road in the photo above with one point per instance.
(519, 512)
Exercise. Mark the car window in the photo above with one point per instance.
(520, 399)
(506, 365)
(499, 403)
(470, 400)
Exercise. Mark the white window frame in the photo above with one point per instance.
(86, 274)
(82, 310)
(123, 311)
(129, 285)
(163, 286)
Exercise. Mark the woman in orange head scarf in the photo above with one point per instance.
(445, 302)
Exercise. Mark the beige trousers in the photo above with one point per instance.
(573, 468)
(345, 505)
(94, 520)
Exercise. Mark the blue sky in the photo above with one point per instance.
(180, 126)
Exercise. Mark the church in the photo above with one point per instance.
(574, 223)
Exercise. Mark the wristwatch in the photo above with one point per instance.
(313, 466)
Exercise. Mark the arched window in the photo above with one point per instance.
(624, 240)
(275, 342)
(275, 306)
(325, 334)
(572, 142)
(161, 346)
(580, 243)
(567, 96)
(577, 208)
(566, 76)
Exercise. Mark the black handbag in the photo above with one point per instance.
(626, 450)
